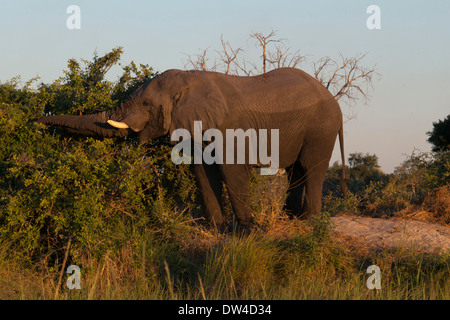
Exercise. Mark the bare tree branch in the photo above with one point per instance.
(228, 56)
(347, 78)
(242, 66)
(199, 61)
(263, 41)
(282, 58)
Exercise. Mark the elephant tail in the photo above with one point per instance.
(341, 144)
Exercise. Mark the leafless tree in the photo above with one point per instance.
(263, 41)
(229, 62)
(346, 78)
(229, 58)
(282, 57)
(279, 57)
(199, 61)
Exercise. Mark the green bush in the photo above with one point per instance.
(377, 194)
(56, 186)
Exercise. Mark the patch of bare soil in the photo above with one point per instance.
(379, 233)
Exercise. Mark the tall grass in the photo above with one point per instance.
(257, 266)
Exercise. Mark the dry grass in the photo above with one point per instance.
(282, 259)
(438, 203)
(285, 265)
(435, 208)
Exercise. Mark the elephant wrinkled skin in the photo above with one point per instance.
(306, 114)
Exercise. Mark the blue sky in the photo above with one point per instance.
(411, 51)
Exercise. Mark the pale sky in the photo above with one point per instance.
(411, 50)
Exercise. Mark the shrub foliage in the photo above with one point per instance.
(55, 186)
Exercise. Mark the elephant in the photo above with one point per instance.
(305, 114)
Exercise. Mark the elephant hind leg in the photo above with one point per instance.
(209, 182)
(313, 191)
(237, 180)
(314, 159)
(296, 191)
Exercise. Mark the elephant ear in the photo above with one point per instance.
(201, 102)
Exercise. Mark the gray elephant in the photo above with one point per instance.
(304, 114)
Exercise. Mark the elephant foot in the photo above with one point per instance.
(292, 213)
(221, 228)
(242, 228)
(245, 228)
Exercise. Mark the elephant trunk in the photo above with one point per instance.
(96, 124)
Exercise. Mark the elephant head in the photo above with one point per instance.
(171, 100)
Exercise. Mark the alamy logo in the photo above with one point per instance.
(74, 281)
(374, 20)
(257, 152)
(74, 20)
(374, 281)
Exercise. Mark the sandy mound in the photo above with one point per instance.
(394, 233)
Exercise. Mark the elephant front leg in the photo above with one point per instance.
(237, 180)
(209, 182)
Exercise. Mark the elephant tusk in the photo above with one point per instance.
(119, 125)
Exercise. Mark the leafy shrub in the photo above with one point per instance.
(56, 186)
(267, 197)
(438, 203)
(335, 204)
(377, 194)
